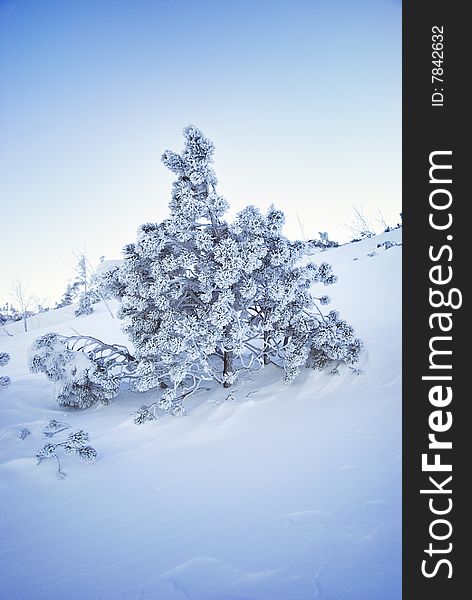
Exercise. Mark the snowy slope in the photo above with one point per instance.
(278, 493)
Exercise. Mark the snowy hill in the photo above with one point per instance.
(275, 492)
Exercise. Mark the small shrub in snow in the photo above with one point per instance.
(145, 413)
(323, 242)
(387, 244)
(80, 381)
(24, 433)
(357, 371)
(4, 379)
(76, 443)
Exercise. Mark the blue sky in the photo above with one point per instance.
(302, 100)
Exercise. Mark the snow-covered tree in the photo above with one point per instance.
(69, 295)
(85, 305)
(81, 287)
(89, 294)
(204, 299)
(21, 296)
(82, 271)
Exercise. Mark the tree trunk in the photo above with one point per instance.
(227, 368)
(265, 349)
(106, 304)
(24, 323)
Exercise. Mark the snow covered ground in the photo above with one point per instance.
(277, 493)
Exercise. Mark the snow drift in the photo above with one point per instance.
(264, 491)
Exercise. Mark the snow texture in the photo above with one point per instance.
(262, 492)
